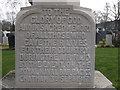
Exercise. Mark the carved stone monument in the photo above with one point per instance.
(109, 39)
(54, 47)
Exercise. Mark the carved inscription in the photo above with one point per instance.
(54, 47)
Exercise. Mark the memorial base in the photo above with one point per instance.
(100, 81)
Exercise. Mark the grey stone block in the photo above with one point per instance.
(101, 83)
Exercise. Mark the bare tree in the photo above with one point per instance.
(12, 8)
(106, 12)
(119, 9)
(115, 14)
(98, 16)
(103, 16)
(111, 13)
(2, 15)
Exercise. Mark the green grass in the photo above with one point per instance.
(106, 62)
(0, 64)
(4, 47)
(8, 61)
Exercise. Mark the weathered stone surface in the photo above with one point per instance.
(109, 39)
(8, 81)
(101, 82)
(54, 47)
(55, 2)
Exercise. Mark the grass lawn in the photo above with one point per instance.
(8, 61)
(106, 62)
(4, 47)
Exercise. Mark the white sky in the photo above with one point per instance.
(95, 4)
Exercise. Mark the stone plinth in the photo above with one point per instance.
(101, 82)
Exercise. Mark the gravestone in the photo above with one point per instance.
(11, 40)
(109, 39)
(5, 38)
(1, 37)
(1, 34)
(54, 47)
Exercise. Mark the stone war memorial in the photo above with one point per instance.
(55, 47)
